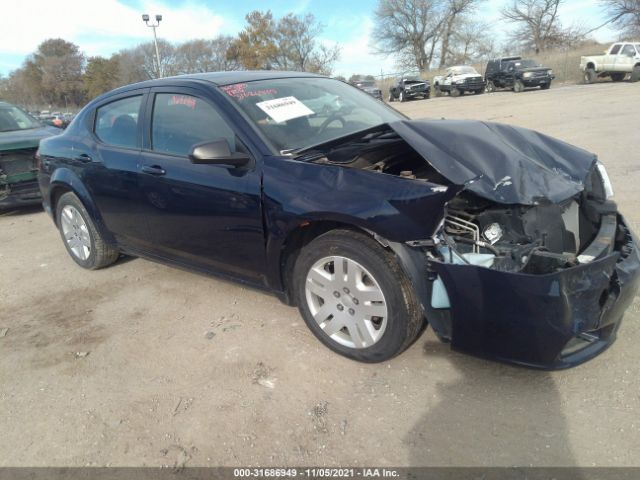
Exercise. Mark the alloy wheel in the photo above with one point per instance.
(76, 232)
(346, 301)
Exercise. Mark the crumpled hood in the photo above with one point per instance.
(506, 164)
(19, 139)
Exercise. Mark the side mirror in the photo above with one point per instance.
(217, 152)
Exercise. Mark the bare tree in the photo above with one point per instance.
(538, 26)
(455, 10)
(625, 14)
(471, 42)
(410, 29)
(199, 56)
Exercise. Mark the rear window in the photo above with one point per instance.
(117, 122)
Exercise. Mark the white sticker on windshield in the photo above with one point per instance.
(285, 108)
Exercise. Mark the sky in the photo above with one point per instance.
(102, 27)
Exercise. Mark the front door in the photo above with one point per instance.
(208, 216)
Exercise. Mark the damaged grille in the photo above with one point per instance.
(17, 162)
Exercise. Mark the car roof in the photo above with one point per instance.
(215, 78)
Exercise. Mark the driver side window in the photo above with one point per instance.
(180, 121)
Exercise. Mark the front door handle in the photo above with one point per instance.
(83, 157)
(153, 170)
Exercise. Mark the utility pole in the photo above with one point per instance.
(145, 19)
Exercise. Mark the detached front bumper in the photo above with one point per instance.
(550, 321)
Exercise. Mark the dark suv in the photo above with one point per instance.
(516, 74)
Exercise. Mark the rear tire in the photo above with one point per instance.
(590, 75)
(82, 240)
(373, 283)
(635, 74)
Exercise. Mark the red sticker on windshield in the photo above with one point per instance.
(239, 91)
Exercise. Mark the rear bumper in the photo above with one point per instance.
(550, 321)
(22, 194)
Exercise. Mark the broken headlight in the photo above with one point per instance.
(606, 182)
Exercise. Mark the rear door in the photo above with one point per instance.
(626, 59)
(110, 159)
(207, 216)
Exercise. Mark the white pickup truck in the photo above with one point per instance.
(621, 58)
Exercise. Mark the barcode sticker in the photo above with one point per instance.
(285, 108)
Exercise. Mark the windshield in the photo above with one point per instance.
(295, 113)
(12, 118)
(463, 70)
(526, 64)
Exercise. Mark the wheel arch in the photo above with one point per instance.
(64, 181)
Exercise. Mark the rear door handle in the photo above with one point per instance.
(83, 157)
(153, 170)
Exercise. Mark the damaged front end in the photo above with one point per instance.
(531, 262)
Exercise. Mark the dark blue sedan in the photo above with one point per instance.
(506, 241)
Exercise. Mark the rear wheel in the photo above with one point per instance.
(590, 75)
(635, 74)
(355, 298)
(80, 236)
(518, 86)
(618, 76)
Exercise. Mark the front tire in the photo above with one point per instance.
(545, 86)
(401, 97)
(490, 87)
(82, 240)
(518, 86)
(455, 92)
(355, 298)
(635, 74)
(391, 97)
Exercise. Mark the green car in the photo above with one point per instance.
(20, 135)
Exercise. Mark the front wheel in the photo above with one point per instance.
(545, 86)
(635, 73)
(355, 298)
(391, 98)
(518, 86)
(437, 91)
(490, 87)
(82, 240)
(455, 92)
(401, 97)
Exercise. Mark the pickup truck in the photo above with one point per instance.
(617, 62)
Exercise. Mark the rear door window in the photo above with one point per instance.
(117, 122)
(181, 121)
(629, 51)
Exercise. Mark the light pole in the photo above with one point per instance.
(145, 19)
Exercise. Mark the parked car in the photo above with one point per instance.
(618, 61)
(20, 134)
(409, 88)
(370, 87)
(506, 241)
(457, 80)
(517, 74)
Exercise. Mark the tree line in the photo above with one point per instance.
(418, 34)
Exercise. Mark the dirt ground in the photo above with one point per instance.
(142, 364)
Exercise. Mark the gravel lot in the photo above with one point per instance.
(142, 364)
